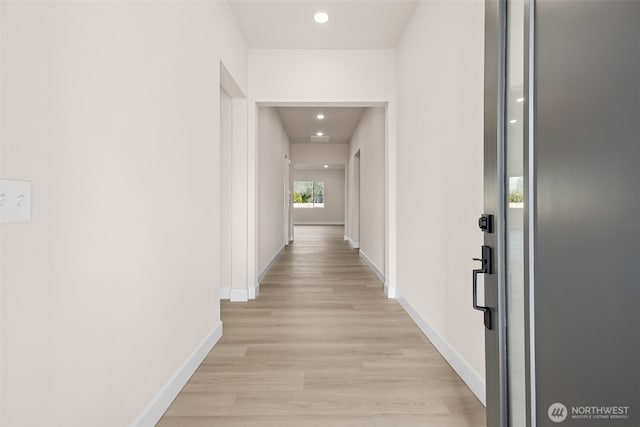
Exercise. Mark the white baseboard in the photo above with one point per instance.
(272, 261)
(319, 223)
(373, 266)
(473, 380)
(254, 292)
(236, 294)
(239, 295)
(154, 410)
(390, 292)
(354, 245)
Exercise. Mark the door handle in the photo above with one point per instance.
(485, 269)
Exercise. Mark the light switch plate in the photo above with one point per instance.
(15, 201)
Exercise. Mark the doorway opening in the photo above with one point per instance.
(233, 181)
(353, 233)
(323, 164)
(288, 202)
(226, 143)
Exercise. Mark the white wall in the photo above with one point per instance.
(329, 77)
(273, 146)
(317, 75)
(334, 191)
(319, 154)
(111, 109)
(369, 140)
(440, 179)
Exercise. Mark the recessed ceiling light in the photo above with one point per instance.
(321, 17)
(320, 116)
(326, 166)
(520, 100)
(319, 133)
(513, 121)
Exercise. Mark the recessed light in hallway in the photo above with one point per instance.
(322, 346)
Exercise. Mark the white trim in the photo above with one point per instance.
(252, 194)
(390, 292)
(254, 291)
(346, 237)
(373, 266)
(391, 166)
(265, 270)
(241, 208)
(472, 378)
(239, 201)
(154, 410)
(319, 223)
(354, 245)
(239, 295)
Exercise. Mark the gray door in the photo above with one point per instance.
(562, 177)
(587, 236)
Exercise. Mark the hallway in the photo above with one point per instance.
(322, 346)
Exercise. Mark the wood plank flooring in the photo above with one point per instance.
(322, 346)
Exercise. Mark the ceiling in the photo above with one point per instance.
(301, 123)
(306, 166)
(354, 24)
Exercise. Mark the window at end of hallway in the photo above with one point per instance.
(308, 194)
(516, 192)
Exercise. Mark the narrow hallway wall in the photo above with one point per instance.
(440, 179)
(273, 145)
(309, 153)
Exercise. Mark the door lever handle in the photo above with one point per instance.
(486, 269)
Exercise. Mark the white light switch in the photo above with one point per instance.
(15, 201)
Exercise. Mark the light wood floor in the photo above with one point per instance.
(322, 346)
